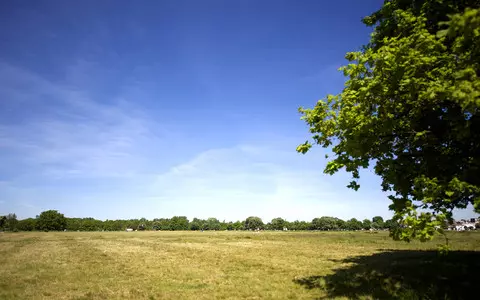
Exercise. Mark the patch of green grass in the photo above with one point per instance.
(233, 265)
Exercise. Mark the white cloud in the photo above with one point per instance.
(69, 134)
(233, 183)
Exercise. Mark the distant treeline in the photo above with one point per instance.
(54, 221)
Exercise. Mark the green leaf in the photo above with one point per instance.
(410, 106)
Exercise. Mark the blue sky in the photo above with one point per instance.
(124, 109)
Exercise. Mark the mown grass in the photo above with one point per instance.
(234, 265)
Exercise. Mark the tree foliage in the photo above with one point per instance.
(299, 225)
(178, 223)
(354, 224)
(325, 223)
(410, 106)
(51, 220)
(9, 222)
(3, 219)
(378, 222)
(367, 224)
(253, 223)
(29, 224)
(277, 224)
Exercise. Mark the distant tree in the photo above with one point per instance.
(377, 222)
(230, 226)
(367, 224)
(252, 223)
(325, 223)
(296, 224)
(156, 225)
(212, 224)
(341, 224)
(391, 224)
(132, 223)
(277, 224)
(73, 224)
(179, 223)
(3, 220)
(27, 224)
(163, 224)
(89, 224)
(354, 224)
(51, 220)
(299, 225)
(196, 224)
(223, 225)
(238, 225)
(11, 222)
(113, 225)
(303, 225)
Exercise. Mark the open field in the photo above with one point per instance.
(234, 265)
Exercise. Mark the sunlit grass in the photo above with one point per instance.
(184, 265)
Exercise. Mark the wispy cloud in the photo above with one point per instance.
(68, 133)
(255, 180)
(61, 131)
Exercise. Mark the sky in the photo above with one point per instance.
(130, 109)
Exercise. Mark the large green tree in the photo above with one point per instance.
(212, 224)
(253, 223)
(277, 224)
(179, 223)
(377, 222)
(51, 220)
(410, 107)
(27, 224)
(11, 222)
(325, 223)
(8, 222)
(196, 224)
(354, 224)
(367, 224)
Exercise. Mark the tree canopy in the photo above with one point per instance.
(410, 107)
(378, 222)
(9, 222)
(51, 220)
(354, 224)
(367, 224)
(326, 223)
(277, 224)
(253, 223)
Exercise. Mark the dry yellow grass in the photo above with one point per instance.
(188, 265)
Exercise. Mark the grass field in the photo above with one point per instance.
(234, 265)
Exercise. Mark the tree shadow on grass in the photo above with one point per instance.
(402, 274)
